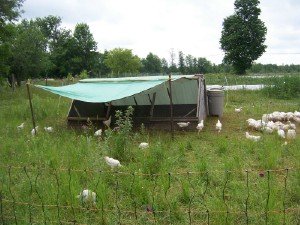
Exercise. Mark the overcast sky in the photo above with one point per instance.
(192, 26)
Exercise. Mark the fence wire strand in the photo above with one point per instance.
(30, 195)
(13, 197)
(153, 212)
(284, 196)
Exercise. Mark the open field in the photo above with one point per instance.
(195, 179)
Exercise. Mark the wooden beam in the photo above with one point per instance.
(152, 104)
(76, 110)
(135, 101)
(70, 118)
(190, 112)
(31, 108)
(171, 106)
(108, 111)
(177, 119)
(198, 97)
(205, 98)
(149, 99)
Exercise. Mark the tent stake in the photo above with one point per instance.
(31, 109)
(171, 107)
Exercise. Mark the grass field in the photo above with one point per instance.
(195, 179)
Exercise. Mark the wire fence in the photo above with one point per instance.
(42, 195)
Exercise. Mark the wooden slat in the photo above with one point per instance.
(86, 118)
(161, 119)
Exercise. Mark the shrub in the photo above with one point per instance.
(83, 74)
(118, 142)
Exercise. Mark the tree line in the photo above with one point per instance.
(41, 47)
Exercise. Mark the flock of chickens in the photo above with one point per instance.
(279, 122)
(268, 124)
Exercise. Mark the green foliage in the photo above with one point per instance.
(171, 192)
(243, 35)
(152, 64)
(121, 60)
(86, 48)
(50, 27)
(117, 142)
(71, 78)
(154, 163)
(29, 57)
(83, 74)
(10, 10)
(181, 63)
(287, 87)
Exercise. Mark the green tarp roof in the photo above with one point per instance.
(109, 89)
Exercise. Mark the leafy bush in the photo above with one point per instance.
(286, 87)
(117, 142)
(83, 74)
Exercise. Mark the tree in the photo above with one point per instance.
(203, 65)
(29, 58)
(86, 47)
(9, 11)
(181, 63)
(50, 27)
(152, 64)
(172, 67)
(62, 55)
(165, 66)
(121, 60)
(243, 36)
(100, 67)
(190, 64)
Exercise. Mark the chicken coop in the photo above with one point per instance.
(156, 99)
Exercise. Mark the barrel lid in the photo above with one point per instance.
(215, 88)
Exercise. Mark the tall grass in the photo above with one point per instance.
(178, 180)
(286, 87)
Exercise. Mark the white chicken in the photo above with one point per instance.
(281, 133)
(87, 197)
(112, 162)
(292, 125)
(252, 137)
(265, 118)
(296, 119)
(256, 124)
(107, 122)
(144, 145)
(297, 114)
(48, 129)
(291, 134)
(200, 126)
(34, 131)
(268, 130)
(219, 126)
(238, 110)
(183, 124)
(98, 133)
(21, 127)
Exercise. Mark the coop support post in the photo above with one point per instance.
(152, 104)
(171, 107)
(108, 110)
(31, 109)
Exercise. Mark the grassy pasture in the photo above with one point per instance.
(194, 179)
